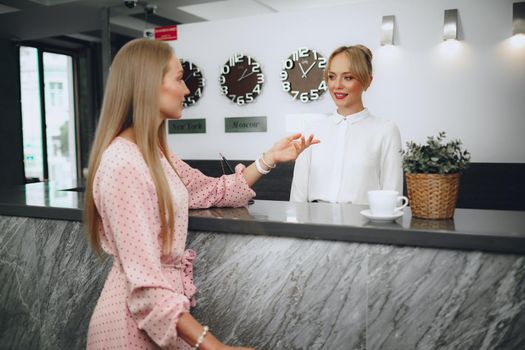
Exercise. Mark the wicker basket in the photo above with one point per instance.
(428, 224)
(432, 196)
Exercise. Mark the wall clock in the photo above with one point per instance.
(302, 75)
(194, 81)
(241, 79)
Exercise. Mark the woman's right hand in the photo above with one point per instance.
(289, 148)
(190, 329)
(215, 344)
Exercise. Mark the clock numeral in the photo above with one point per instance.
(222, 79)
(235, 59)
(295, 55)
(322, 62)
(314, 94)
(240, 100)
(288, 64)
(225, 69)
(249, 97)
(304, 97)
(315, 54)
(295, 94)
(286, 86)
(260, 78)
(284, 75)
(224, 90)
(303, 52)
(256, 67)
(198, 92)
(257, 89)
(322, 85)
(232, 97)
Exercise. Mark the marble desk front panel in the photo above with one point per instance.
(275, 292)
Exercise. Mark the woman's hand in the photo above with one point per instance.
(289, 148)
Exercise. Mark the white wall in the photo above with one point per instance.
(476, 93)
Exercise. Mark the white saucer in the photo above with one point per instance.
(381, 218)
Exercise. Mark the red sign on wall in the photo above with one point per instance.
(166, 33)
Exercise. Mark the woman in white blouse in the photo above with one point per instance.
(358, 151)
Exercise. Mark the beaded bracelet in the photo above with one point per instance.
(200, 339)
(267, 165)
(259, 167)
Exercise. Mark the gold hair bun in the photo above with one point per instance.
(365, 50)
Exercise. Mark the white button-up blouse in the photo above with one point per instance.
(357, 153)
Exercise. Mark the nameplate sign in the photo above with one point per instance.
(187, 126)
(245, 124)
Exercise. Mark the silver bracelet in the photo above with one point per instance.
(200, 339)
(267, 165)
(259, 167)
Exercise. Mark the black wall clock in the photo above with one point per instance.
(194, 81)
(241, 79)
(302, 75)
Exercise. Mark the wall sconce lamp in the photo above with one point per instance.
(387, 30)
(450, 28)
(518, 18)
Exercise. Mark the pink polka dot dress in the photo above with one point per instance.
(146, 293)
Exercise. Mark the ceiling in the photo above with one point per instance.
(82, 19)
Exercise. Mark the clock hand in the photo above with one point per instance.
(242, 75)
(309, 68)
(245, 76)
(302, 70)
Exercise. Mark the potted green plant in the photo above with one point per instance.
(432, 172)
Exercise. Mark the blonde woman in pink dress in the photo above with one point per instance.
(136, 209)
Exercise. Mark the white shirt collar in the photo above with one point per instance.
(351, 118)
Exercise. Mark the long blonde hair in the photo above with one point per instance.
(360, 58)
(131, 99)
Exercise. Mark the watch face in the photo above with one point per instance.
(302, 75)
(241, 79)
(194, 81)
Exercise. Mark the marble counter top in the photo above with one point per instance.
(485, 230)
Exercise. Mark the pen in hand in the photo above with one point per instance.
(227, 164)
(230, 169)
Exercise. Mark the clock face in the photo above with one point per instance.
(302, 75)
(241, 79)
(194, 81)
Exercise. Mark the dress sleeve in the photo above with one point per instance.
(128, 205)
(391, 176)
(301, 174)
(205, 191)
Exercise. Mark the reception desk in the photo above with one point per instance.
(280, 275)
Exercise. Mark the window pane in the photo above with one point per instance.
(31, 118)
(60, 119)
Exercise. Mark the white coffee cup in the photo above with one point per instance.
(384, 202)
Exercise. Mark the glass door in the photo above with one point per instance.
(48, 117)
(60, 119)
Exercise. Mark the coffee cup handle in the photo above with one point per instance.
(405, 200)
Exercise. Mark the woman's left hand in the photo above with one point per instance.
(289, 148)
